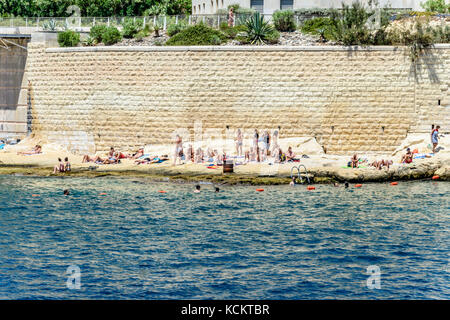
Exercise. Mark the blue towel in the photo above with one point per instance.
(2, 146)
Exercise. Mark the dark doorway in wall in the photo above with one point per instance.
(258, 5)
(286, 4)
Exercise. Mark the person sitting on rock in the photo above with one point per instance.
(353, 163)
(290, 156)
(59, 167)
(408, 157)
(67, 165)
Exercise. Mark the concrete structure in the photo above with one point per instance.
(349, 99)
(13, 86)
(270, 6)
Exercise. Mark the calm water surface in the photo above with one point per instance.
(283, 243)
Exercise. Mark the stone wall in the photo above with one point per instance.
(363, 99)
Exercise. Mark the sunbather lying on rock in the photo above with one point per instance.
(137, 154)
(150, 160)
(96, 159)
(36, 150)
(382, 163)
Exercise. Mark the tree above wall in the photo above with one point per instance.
(93, 8)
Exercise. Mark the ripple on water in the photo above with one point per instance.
(284, 243)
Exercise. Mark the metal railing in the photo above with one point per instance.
(85, 23)
(81, 23)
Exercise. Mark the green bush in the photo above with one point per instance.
(232, 32)
(321, 12)
(258, 30)
(273, 37)
(351, 25)
(97, 31)
(130, 28)
(68, 38)
(197, 35)
(436, 6)
(111, 36)
(284, 20)
(140, 35)
(173, 29)
(318, 26)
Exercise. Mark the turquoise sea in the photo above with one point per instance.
(133, 242)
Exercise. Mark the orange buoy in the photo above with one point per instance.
(102, 194)
(162, 191)
(358, 185)
(259, 190)
(394, 183)
(435, 177)
(35, 195)
(310, 188)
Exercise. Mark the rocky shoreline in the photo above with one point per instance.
(319, 175)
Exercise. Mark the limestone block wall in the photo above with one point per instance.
(359, 100)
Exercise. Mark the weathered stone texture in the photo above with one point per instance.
(361, 100)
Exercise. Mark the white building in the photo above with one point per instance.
(269, 6)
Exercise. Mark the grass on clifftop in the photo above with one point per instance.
(198, 35)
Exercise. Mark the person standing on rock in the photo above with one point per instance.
(238, 140)
(435, 138)
(178, 149)
(255, 144)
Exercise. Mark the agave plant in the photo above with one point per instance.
(89, 41)
(258, 30)
(50, 25)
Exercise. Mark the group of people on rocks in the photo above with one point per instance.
(406, 158)
(263, 146)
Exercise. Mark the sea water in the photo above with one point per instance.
(119, 238)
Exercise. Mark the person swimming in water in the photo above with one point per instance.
(197, 189)
(293, 182)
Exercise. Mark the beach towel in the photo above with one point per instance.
(2, 146)
(360, 167)
(423, 155)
